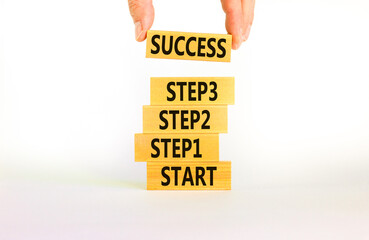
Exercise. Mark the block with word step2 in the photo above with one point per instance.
(185, 119)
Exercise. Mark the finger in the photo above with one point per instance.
(233, 11)
(248, 7)
(142, 12)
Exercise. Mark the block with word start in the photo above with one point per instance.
(189, 176)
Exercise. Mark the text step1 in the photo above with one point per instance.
(175, 147)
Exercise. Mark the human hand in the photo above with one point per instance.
(239, 18)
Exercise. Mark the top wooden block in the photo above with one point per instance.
(189, 46)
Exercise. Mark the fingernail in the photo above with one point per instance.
(237, 46)
(238, 40)
(247, 33)
(138, 30)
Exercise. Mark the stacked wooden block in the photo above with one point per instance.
(180, 139)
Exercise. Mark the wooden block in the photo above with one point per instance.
(174, 147)
(185, 119)
(189, 46)
(192, 90)
(189, 176)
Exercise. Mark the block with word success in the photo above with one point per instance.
(192, 90)
(189, 46)
(163, 147)
(185, 119)
(189, 176)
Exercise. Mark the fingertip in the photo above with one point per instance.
(142, 36)
(246, 34)
(236, 40)
(236, 46)
(138, 31)
(142, 12)
(233, 21)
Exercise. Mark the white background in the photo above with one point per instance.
(73, 82)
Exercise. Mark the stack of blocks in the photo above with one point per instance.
(180, 139)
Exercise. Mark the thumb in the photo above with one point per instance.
(233, 11)
(142, 12)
